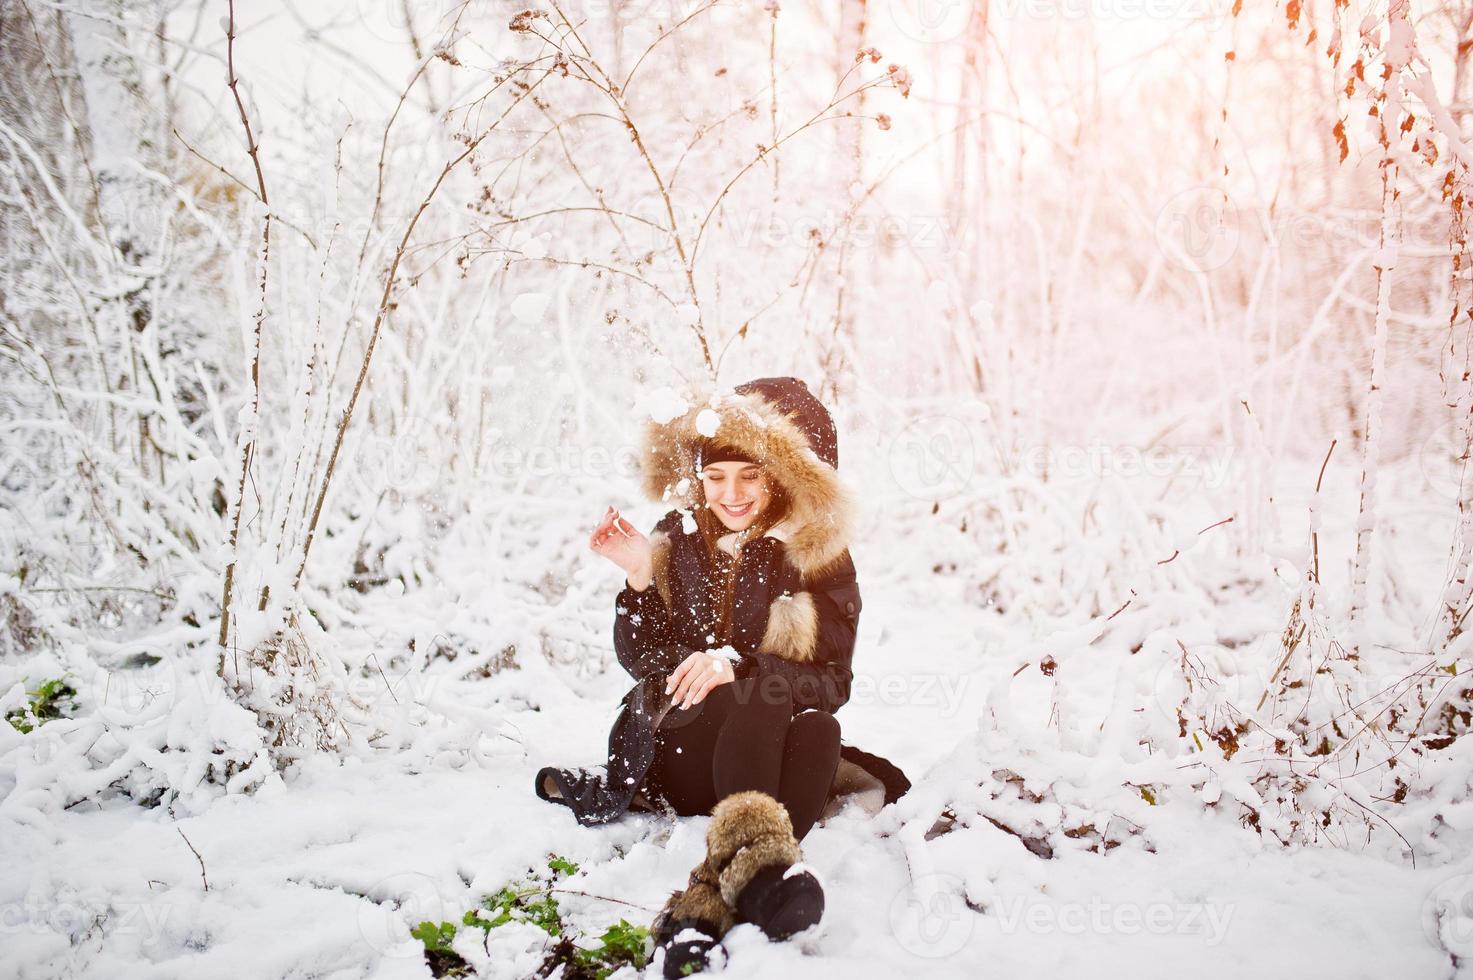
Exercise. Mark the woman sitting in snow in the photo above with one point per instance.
(737, 622)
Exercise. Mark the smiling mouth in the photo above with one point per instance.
(741, 511)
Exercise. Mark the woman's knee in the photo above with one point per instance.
(818, 726)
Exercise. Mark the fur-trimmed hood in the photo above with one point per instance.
(782, 426)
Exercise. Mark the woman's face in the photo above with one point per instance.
(736, 491)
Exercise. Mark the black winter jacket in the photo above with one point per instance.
(678, 611)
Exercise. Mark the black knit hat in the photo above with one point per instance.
(792, 397)
(708, 452)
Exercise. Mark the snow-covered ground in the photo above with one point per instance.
(324, 874)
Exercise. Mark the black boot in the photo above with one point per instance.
(750, 842)
(781, 904)
(584, 791)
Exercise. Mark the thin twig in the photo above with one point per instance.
(1410, 849)
(242, 184)
(202, 876)
(1177, 552)
(1314, 536)
(1122, 607)
(248, 451)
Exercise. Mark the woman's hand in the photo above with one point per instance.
(697, 676)
(624, 545)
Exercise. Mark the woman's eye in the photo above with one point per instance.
(751, 477)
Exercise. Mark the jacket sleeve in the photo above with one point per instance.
(824, 681)
(644, 637)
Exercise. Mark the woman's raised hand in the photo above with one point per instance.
(626, 546)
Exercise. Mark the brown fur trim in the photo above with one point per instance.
(749, 831)
(822, 509)
(740, 818)
(792, 627)
(701, 901)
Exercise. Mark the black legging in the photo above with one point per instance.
(744, 736)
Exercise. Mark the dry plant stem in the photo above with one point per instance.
(202, 876)
(772, 104)
(602, 209)
(391, 279)
(1395, 692)
(629, 78)
(1410, 850)
(613, 270)
(249, 449)
(402, 96)
(850, 213)
(313, 370)
(1457, 385)
(1388, 102)
(383, 150)
(812, 259)
(218, 168)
